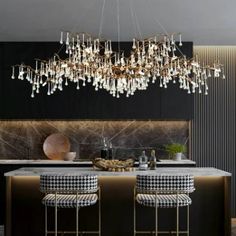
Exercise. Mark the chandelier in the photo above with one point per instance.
(92, 60)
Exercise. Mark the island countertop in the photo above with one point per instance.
(37, 171)
(83, 162)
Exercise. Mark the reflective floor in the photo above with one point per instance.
(233, 228)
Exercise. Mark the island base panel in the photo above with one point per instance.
(209, 212)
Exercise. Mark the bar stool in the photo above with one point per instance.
(70, 191)
(163, 191)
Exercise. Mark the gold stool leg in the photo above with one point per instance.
(99, 209)
(56, 221)
(156, 221)
(177, 220)
(134, 212)
(156, 216)
(177, 215)
(77, 220)
(55, 214)
(188, 220)
(46, 221)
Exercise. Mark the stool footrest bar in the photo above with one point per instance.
(73, 232)
(160, 232)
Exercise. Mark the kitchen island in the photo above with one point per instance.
(209, 212)
(7, 165)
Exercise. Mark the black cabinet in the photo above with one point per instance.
(16, 103)
(176, 103)
(142, 105)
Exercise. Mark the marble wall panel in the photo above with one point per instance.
(24, 139)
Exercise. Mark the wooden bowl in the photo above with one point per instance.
(55, 146)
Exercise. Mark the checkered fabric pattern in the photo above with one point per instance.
(165, 183)
(70, 201)
(65, 185)
(163, 200)
(59, 182)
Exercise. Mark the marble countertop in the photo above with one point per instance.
(81, 162)
(36, 171)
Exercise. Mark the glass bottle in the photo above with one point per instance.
(153, 160)
(110, 152)
(143, 161)
(104, 150)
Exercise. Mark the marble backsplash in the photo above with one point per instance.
(24, 139)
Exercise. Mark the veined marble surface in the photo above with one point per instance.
(181, 170)
(24, 139)
(53, 162)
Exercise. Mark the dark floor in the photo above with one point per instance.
(233, 228)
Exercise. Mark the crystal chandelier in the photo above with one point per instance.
(91, 60)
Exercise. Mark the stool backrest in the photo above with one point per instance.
(165, 183)
(59, 182)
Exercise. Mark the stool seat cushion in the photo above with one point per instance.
(69, 200)
(163, 200)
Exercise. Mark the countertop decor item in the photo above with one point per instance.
(153, 160)
(143, 161)
(69, 156)
(176, 150)
(114, 165)
(56, 146)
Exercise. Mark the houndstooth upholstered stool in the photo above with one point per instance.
(163, 191)
(70, 191)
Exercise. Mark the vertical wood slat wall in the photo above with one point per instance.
(213, 126)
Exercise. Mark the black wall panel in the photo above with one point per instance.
(213, 135)
(16, 103)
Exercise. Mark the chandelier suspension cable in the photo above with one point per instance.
(118, 24)
(62, 36)
(133, 19)
(61, 40)
(203, 66)
(136, 21)
(76, 24)
(165, 31)
(101, 20)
